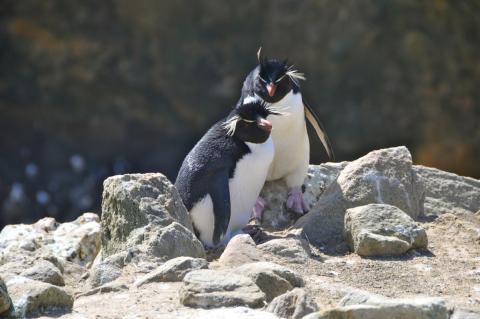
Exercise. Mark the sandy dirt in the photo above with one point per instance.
(450, 268)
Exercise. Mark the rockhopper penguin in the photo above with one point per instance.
(221, 178)
(277, 83)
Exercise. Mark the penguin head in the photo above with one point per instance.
(275, 78)
(248, 122)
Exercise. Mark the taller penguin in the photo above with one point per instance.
(277, 83)
(221, 177)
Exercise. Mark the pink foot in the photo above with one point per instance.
(296, 202)
(258, 208)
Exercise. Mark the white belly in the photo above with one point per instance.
(247, 182)
(245, 185)
(290, 137)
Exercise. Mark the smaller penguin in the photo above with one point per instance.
(221, 178)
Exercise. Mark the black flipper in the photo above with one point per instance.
(318, 127)
(220, 194)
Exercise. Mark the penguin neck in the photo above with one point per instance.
(291, 103)
(260, 147)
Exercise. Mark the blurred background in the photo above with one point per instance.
(94, 88)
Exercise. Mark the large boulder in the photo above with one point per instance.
(31, 297)
(449, 193)
(382, 230)
(145, 211)
(275, 193)
(215, 288)
(77, 241)
(383, 176)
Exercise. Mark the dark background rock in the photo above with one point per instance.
(89, 89)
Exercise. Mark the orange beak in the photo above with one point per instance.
(271, 89)
(264, 125)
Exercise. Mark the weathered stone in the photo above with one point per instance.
(294, 304)
(173, 241)
(45, 271)
(272, 279)
(465, 314)
(359, 305)
(294, 249)
(447, 192)
(5, 302)
(214, 288)
(380, 312)
(31, 297)
(173, 270)
(231, 313)
(240, 250)
(77, 241)
(275, 193)
(382, 230)
(145, 211)
(383, 176)
(107, 270)
(107, 288)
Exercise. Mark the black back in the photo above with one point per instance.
(212, 162)
(215, 153)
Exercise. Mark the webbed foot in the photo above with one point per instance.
(296, 202)
(258, 208)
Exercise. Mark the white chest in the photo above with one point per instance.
(245, 185)
(289, 134)
(247, 181)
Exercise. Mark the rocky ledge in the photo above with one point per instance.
(384, 239)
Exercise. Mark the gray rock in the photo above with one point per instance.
(31, 297)
(465, 314)
(272, 279)
(5, 302)
(145, 211)
(294, 304)
(400, 311)
(382, 230)
(45, 271)
(447, 192)
(319, 177)
(383, 176)
(107, 288)
(241, 249)
(230, 313)
(172, 241)
(77, 241)
(364, 305)
(215, 288)
(294, 249)
(107, 270)
(173, 270)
